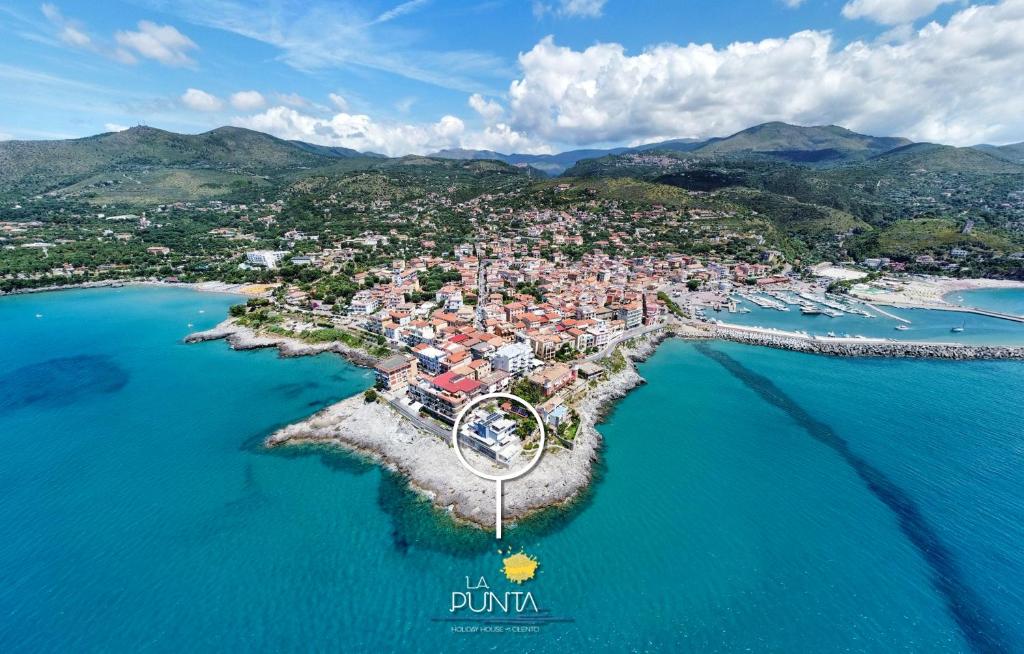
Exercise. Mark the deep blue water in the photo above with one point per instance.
(748, 500)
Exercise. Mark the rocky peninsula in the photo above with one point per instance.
(377, 430)
(240, 337)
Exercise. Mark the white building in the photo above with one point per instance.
(513, 358)
(493, 434)
(363, 304)
(265, 258)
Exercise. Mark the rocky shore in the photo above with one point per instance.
(867, 347)
(427, 461)
(240, 337)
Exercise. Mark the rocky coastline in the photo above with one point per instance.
(240, 337)
(378, 431)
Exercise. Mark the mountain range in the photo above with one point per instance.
(819, 145)
(153, 164)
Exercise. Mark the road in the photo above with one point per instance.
(632, 333)
(420, 421)
(481, 293)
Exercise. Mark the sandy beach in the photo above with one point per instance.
(928, 292)
(248, 290)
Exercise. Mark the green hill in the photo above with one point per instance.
(76, 165)
(930, 157)
(816, 144)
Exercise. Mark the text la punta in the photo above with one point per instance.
(480, 599)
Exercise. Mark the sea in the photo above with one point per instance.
(746, 500)
(930, 325)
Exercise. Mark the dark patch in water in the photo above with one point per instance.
(294, 389)
(252, 495)
(981, 629)
(334, 458)
(61, 381)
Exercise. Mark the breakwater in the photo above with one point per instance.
(850, 347)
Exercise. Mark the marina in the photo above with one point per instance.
(823, 314)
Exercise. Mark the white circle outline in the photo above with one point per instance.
(490, 396)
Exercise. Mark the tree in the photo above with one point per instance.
(527, 390)
(370, 395)
(693, 284)
(237, 310)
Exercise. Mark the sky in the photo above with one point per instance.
(533, 76)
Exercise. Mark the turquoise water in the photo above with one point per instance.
(748, 500)
(1007, 300)
(925, 324)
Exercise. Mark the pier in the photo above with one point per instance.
(887, 314)
(954, 308)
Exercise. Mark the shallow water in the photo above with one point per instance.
(748, 499)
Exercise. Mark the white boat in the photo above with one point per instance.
(957, 330)
(809, 310)
(902, 328)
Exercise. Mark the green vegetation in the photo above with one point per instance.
(672, 306)
(528, 391)
(615, 362)
(370, 395)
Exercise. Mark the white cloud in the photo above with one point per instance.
(363, 133)
(401, 10)
(114, 127)
(248, 100)
(164, 43)
(69, 31)
(793, 4)
(338, 101)
(570, 8)
(201, 100)
(955, 83)
(405, 105)
(489, 110)
(583, 8)
(294, 100)
(319, 35)
(891, 12)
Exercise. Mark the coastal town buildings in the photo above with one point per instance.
(396, 372)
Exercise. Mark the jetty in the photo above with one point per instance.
(887, 314)
(862, 347)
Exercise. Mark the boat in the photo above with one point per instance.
(39, 315)
(831, 334)
(808, 310)
(902, 328)
(957, 330)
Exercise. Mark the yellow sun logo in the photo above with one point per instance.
(520, 567)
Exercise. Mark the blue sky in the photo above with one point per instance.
(523, 75)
